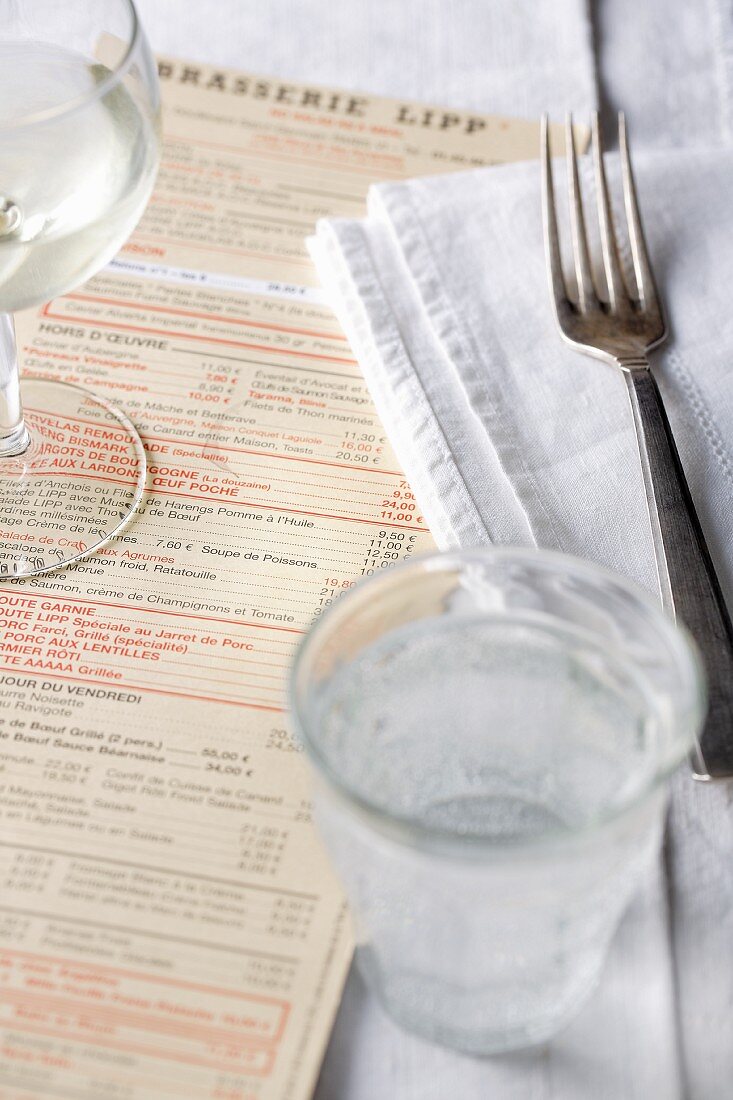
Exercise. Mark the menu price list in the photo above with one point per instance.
(143, 891)
(232, 639)
(169, 925)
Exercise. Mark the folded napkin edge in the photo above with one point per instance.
(435, 481)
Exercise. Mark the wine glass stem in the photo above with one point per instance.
(14, 437)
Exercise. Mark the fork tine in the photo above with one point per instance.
(549, 223)
(583, 277)
(611, 265)
(646, 287)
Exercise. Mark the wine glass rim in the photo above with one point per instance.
(406, 828)
(70, 106)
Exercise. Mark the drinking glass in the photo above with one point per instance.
(79, 148)
(490, 733)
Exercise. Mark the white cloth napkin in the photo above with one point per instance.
(509, 436)
(506, 434)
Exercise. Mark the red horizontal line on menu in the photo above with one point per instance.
(207, 316)
(156, 610)
(172, 1055)
(114, 684)
(293, 511)
(46, 312)
(235, 450)
(296, 158)
(199, 246)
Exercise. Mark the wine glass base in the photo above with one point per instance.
(76, 484)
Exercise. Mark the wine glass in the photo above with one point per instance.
(79, 150)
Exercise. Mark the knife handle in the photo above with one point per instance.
(689, 585)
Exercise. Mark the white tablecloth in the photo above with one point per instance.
(666, 63)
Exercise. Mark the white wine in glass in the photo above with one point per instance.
(79, 150)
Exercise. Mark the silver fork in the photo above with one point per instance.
(620, 326)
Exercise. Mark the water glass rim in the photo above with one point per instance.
(71, 106)
(406, 829)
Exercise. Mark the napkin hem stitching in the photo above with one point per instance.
(699, 409)
(356, 322)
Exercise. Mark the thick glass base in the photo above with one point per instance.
(497, 1019)
(74, 486)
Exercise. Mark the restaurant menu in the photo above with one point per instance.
(169, 926)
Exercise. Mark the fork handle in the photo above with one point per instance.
(690, 588)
